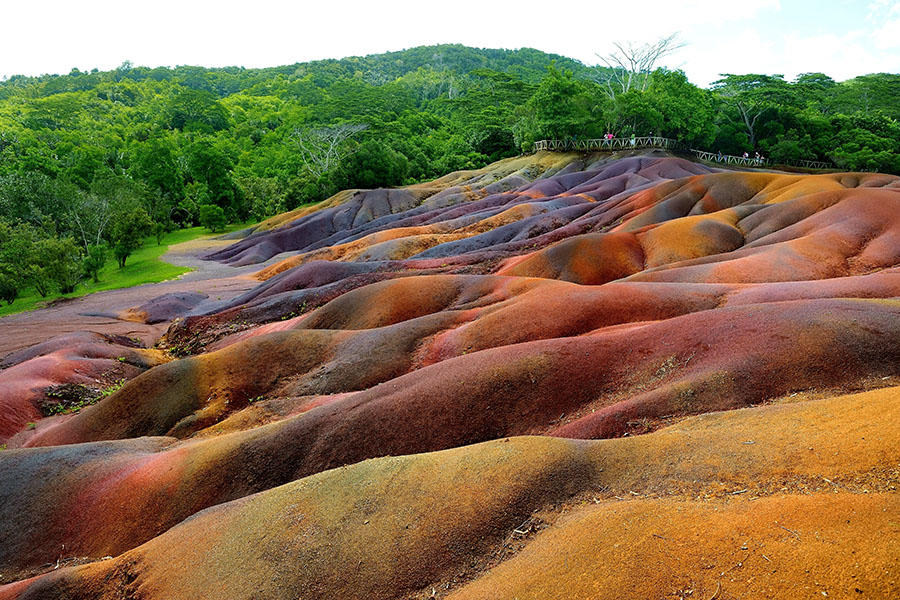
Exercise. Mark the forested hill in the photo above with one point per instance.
(527, 64)
(252, 142)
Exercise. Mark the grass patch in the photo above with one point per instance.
(144, 266)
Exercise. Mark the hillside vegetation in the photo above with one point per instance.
(92, 163)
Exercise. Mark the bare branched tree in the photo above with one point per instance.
(322, 148)
(630, 66)
(90, 215)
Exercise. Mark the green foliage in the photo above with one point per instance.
(688, 112)
(130, 225)
(16, 251)
(562, 107)
(156, 163)
(70, 398)
(30, 256)
(867, 94)
(31, 196)
(9, 285)
(76, 148)
(94, 261)
(144, 266)
(263, 195)
(60, 259)
(211, 166)
(196, 110)
(373, 165)
(212, 217)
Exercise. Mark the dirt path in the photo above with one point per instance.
(220, 282)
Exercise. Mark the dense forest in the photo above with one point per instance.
(93, 162)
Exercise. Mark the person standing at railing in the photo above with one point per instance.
(633, 140)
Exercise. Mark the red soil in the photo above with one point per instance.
(578, 299)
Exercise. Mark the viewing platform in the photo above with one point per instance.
(611, 144)
(655, 142)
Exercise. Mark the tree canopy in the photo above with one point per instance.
(75, 148)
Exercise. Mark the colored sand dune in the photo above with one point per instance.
(573, 376)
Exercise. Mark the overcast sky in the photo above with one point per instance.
(840, 38)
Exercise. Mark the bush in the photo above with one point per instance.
(129, 228)
(263, 196)
(373, 165)
(212, 217)
(61, 261)
(19, 262)
(94, 261)
(9, 285)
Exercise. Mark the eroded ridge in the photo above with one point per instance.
(542, 379)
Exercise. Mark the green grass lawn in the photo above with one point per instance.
(144, 266)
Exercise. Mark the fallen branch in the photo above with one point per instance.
(796, 535)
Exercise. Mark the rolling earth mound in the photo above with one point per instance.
(561, 376)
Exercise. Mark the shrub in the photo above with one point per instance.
(94, 261)
(212, 217)
(60, 260)
(128, 231)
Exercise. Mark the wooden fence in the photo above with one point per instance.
(727, 159)
(610, 144)
(587, 145)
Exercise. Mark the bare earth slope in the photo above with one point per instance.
(563, 376)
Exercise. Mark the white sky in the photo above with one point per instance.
(840, 38)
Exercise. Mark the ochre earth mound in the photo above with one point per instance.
(727, 494)
(495, 385)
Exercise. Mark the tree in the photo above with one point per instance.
(561, 107)
(20, 261)
(12, 263)
(867, 142)
(263, 195)
(629, 68)
(196, 110)
(869, 93)
(160, 229)
(212, 217)
(61, 262)
(208, 164)
(127, 232)
(32, 197)
(687, 112)
(751, 96)
(90, 214)
(156, 163)
(9, 285)
(373, 165)
(94, 261)
(323, 148)
(816, 91)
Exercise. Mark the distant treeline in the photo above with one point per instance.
(248, 143)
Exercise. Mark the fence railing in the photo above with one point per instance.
(610, 144)
(728, 159)
(636, 143)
